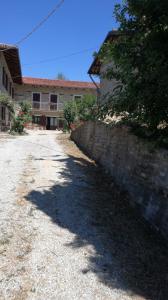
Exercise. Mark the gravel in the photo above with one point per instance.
(59, 236)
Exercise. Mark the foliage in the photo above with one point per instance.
(61, 76)
(26, 108)
(7, 102)
(70, 112)
(23, 117)
(82, 109)
(140, 62)
(86, 107)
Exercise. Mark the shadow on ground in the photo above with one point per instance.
(128, 254)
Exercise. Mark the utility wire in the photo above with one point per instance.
(57, 58)
(60, 57)
(37, 26)
(41, 23)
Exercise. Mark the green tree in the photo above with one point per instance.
(61, 76)
(86, 107)
(70, 112)
(6, 101)
(82, 109)
(140, 56)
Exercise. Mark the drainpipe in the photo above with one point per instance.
(97, 87)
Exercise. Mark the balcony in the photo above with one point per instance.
(47, 106)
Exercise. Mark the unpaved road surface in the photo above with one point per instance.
(67, 232)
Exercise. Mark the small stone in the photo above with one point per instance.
(33, 289)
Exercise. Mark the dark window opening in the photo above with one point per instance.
(77, 97)
(13, 93)
(6, 82)
(36, 100)
(36, 119)
(36, 97)
(53, 102)
(10, 89)
(3, 76)
(3, 112)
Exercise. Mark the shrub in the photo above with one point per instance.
(23, 117)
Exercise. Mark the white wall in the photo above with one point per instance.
(106, 86)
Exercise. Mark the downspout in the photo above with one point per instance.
(97, 87)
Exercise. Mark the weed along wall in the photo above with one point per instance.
(134, 165)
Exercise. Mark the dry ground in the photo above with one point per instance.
(67, 231)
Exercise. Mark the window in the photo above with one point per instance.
(3, 112)
(3, 76)
(77, 97)
(53, 122)
(6, 82)
(36, 97)
(10, 89)
(36, 119)
(53, 102)
(13, 93)
(36, 100)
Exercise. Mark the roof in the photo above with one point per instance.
(95, 66)
(11, 54)
(58, 83)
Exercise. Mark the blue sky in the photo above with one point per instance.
(76, 26)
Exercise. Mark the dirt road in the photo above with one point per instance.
(67, 232)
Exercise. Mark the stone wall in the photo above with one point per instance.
(135, 166)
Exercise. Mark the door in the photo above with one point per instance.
(48, 123)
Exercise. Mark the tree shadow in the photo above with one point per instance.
(128, 254)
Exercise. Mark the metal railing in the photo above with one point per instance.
(47, 106)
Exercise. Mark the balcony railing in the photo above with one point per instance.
(47, 106)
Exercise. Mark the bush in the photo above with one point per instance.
(23, 117)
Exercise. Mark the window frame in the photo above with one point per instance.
(81, 96)
(53, 103)
(36, 101)
(3, 113)
(3, 76)
(33, 119)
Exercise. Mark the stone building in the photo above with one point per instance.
(10, 74)
(46, 96)
(49, 96)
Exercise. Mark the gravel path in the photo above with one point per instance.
(65, 230)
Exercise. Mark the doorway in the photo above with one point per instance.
(48, 125)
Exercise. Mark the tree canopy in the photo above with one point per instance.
(82, 109)
(61, 76)
(140, 56)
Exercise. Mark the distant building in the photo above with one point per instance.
(46, 96)
(49, 96)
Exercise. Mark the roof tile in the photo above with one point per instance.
(58, 83)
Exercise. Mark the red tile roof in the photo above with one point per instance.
(58, 83)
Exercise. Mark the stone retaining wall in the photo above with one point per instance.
(134, 165)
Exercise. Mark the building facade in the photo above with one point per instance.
(98, 68)
(10, 74)
(48, 97)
